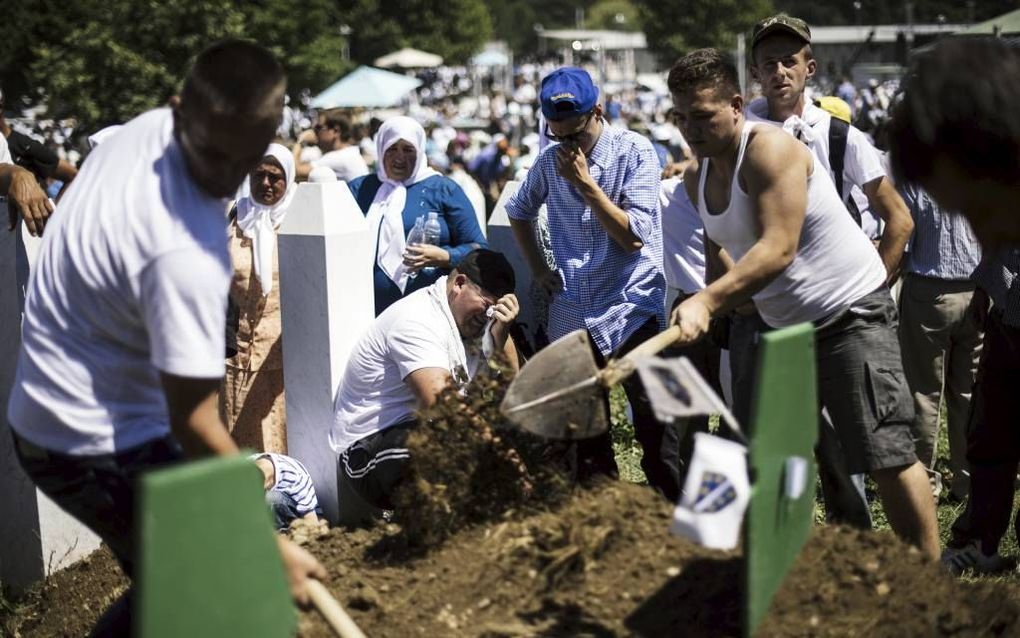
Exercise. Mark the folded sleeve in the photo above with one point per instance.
(465, 233)
(183, 297)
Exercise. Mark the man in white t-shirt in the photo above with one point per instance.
(123, 334)
(414, 349)
(782, 62)
(332, 134)
(768, 202)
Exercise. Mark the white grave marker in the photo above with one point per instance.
(327, 300)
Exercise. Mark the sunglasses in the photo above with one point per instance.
(570, 137)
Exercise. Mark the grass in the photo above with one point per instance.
(628, 457)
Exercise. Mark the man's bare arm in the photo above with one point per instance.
(887, 203)
(427, 383)
(24, 196)
(194, 415)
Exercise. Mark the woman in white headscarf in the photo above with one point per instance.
(252, 402)
(403, 188)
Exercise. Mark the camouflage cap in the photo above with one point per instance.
(780, 23)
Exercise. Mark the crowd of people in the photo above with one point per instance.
(726, 215)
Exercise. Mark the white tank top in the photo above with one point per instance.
(835, 264)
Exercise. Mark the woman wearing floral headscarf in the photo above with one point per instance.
(402, 189)
(251, 401)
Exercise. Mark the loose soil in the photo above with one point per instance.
(489, 542)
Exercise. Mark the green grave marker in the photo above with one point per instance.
(784, 425)
(209, 564)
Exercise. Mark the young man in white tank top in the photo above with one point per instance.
(795, 252)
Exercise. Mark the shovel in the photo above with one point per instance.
(559, 393)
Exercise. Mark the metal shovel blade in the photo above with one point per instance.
(557, 394)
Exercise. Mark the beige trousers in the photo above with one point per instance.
(941, 345)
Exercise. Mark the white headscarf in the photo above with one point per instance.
(386, 214)
(259, 222)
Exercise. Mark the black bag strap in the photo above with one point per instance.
(838, 133)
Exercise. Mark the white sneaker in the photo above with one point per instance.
(970, 556)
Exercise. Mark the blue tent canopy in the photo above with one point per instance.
(366, 87)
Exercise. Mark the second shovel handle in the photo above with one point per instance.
(342, 624)
(619, 369)
(655, 344)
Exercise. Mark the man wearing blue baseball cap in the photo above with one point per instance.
(601, 187)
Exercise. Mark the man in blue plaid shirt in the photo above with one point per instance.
(601, 187)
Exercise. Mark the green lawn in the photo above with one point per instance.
(628, 457)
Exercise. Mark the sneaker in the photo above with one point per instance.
(970, 556)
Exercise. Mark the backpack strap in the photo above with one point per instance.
(838, 133)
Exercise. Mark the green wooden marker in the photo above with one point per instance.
(208, 560)
(784, 425)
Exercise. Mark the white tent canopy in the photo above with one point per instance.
(367, 87)
(409, 59)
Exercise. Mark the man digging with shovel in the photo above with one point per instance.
(123, 334)
(767, 201)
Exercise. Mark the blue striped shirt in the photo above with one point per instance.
(605, 290)
(999, 276)
(292, 479)
(943, 245)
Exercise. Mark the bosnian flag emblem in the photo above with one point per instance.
(715, 493)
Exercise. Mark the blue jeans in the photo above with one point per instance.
(283, 508)
(99, 491)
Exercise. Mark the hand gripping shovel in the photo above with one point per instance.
(559, 393)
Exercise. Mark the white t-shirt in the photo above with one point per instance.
(412, 334)
(347, 163)
(131, 279)
(683, 238)
(862, 162)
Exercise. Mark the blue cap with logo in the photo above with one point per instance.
(567, 92)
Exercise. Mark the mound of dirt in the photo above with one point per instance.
(69, 602)
(603, 565)
(468, 465)
(490, 540)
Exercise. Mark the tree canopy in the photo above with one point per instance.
(105, 61)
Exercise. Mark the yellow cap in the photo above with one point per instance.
(835, 107)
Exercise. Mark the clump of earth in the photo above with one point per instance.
(491, 540)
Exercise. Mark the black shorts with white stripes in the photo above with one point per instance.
(373, 465)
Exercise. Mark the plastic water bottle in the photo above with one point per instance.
(416, 236)
(432, 232)
(432, 229)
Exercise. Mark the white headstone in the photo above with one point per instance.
(501, 238)
(327, 301)
(38, 537)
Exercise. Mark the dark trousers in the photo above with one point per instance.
(660, 442)
(843, 493)
(993, 438)
(100, 492)
(704, 355)
(373, 466)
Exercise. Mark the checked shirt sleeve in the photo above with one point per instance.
(640, 194)
(532, 194)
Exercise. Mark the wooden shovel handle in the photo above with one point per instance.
(342, 624)
(619, 369)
